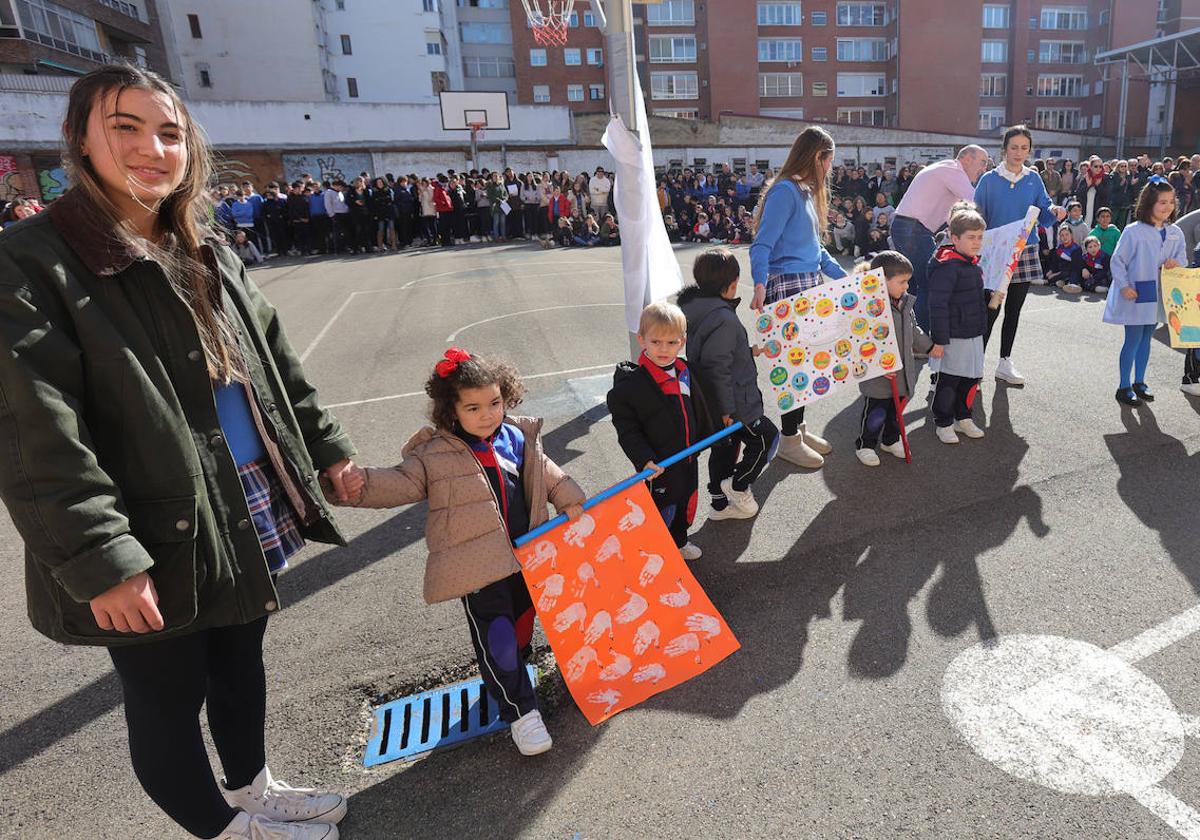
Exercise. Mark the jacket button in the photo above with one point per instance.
(216, 440)
(195, 356)
(183, 525)
(243, 524)
(270, 606)
(271, 408)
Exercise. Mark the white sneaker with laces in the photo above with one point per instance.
(946, 434)
(1192, 389)
(690, 552)
(530, 735)
(741, 499)
(1006, 371)
(968, 428)
(257, 827)
(867, 457)
(896, 449)
(277, 801)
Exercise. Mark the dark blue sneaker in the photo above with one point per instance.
(1143, 391)
(1128, 396)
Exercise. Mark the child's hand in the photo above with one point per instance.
(574, 512)
(650, 465)
(1086, 274)
(938, 351)
(1171, 264)
(757, 350)
(346, 479)
(726, 419)
(889, 376)
(1129, 293)
(760, 297)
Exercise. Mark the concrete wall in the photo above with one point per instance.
(388, 56)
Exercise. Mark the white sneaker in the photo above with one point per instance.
(247, 827)
(280, 802)
(1101, 289)
(1072, 288)
(1192, 389)
(741, 499)
(730, 511)
(968, 428)
(690, 552)
(530, 735)
(1060, 283)
(1008, 373)
(896, 449)
(867, 457)
(1039, 281)
(946, 434)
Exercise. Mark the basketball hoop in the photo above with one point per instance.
(477, 129)
(549, 26)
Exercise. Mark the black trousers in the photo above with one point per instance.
(878, 423)
(320, 232)
(404, 229)
(1191, 366)
(1014, 299)
(165, 684)
(445, 228)
(300, 237)
(757, 443)
(674, 494)
(953, 398)
(364, 230)
(791, 421)
(341, 233)
(500, 618)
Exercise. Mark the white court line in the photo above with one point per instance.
(422, 393)
(325, 329)
(1159, 637)
(607, 269)
(455, 334)
(1168, 808)
(1191, 724)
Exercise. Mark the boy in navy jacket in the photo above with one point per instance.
(1097, 275)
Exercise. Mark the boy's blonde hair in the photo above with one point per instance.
(964, 216)
(662, 315)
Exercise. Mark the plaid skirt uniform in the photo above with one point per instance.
(272, 514)
(1029, 266)
(780, 286)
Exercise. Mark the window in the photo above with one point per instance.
(779, 14)
(489, 67)
(1059, 85)
(194, 25)
(429, 5)
(786, 113)
(860, 116)
(861, 84)
(1064, 17)
(1061, 119)
(1062, 52)
(820, 54)
(685, 114)
(574, 93)
(346, 50)
(571, 56)
(1095, 120)
(674, 85)
(484, 4)
(433, 47)
(671, 13)
(820, 88)
(205, 77)
(341, 5)
(596, 93)
(862, 49)
(595, 56)
(993, 84)
(485, 33)
(573, 20)
(780, 84)
(1104, 17)
(589, 19)
(56, 26)
(671, 49)
(352, 87)
(541, 93)
(995, 52)
(860, 14)
(991, 118)
(995, 17)
(780, 49)
(537, 57)
(820, 18)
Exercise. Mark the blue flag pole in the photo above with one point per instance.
(622, 486)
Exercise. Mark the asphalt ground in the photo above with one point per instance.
(852, 593)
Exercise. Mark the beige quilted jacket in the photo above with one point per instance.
(468, 544)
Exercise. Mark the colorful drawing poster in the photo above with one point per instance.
(623, 614)
(1002, 249)
(1181, 304)
(830, 337)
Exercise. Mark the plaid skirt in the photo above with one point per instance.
(780, 286)
(1029, 266)
(272, 514)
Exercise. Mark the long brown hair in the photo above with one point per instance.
(804, 163)
(184, 216)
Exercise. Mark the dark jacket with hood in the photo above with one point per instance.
(956, 304)
(718, 349)
(650, 424)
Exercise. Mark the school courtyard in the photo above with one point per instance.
(996, 641)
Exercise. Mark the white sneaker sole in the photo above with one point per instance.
(729, 512)
(1011, 380)
(948, 441)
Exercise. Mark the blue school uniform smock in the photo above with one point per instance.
(1136, 264)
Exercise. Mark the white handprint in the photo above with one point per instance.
(647, 634)
(579, 530)
(707, 625)
(578, 664)
(585, 573)
(608, 698)
(650, 568)
(601, 624)
(651, 673)
(679, 598)
(619, 667)
(631, 609)
(574, 614)
(543, 551)
(687, 643)
(609, 549)
(633, 519)
(551, 588)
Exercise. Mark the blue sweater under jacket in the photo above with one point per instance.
(1001, 202)
(787, 240)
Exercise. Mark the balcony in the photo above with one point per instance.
(40, 83)
(68, 47)
(124, 8)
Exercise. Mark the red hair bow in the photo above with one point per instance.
(449, 364)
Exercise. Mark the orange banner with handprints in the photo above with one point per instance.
(623, 614)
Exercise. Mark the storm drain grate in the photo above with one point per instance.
(437, 718)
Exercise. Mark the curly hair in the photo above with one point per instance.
(476, 372)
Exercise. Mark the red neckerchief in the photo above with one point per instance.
(949, 252)
(1091, 261)
(1093, 181)
(678, 385)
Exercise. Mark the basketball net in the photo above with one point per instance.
(477, 129)
(549, 25)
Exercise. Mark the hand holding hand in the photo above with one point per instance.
(347, 479)
(129, 607)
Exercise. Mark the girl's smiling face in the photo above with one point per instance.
(1163, 207)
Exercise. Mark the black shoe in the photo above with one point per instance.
(1143, 391)
(1127, 396)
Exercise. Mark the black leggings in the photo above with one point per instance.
(791, 421)
(165, 684)
(1013, 301)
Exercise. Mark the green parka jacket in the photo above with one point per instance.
(113, 459)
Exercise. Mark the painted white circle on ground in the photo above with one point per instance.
(1064, 714)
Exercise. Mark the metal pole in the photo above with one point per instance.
(474, 148)
(618, 32)
(1124, 106)
(1168, 126)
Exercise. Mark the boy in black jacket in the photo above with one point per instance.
(658, 409)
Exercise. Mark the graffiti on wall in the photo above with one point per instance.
(10, 179)
(326, 166)
(52, 178)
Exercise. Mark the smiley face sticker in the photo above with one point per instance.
(870, 284)
(849, 301)
(887, 361)
(765, 323)
(786, 401)
(840, 371)
(790, 331)
(821, 386)
(875, 307)
(772, 349)
(778, 376)
(781, 309)
(800, 381)
(824, 308)
(858, 369)
(881, 332)
(821, 360)
(843, 347)
(801, 307)
(859, 326)
(796, 356)
(867, 350)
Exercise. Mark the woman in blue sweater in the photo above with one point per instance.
(788, 256)
(1003, 196)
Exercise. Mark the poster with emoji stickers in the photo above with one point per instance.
(1181, 305)
(830, 337)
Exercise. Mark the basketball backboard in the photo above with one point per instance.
(463, 108)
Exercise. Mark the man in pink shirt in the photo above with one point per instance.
(926, 207)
